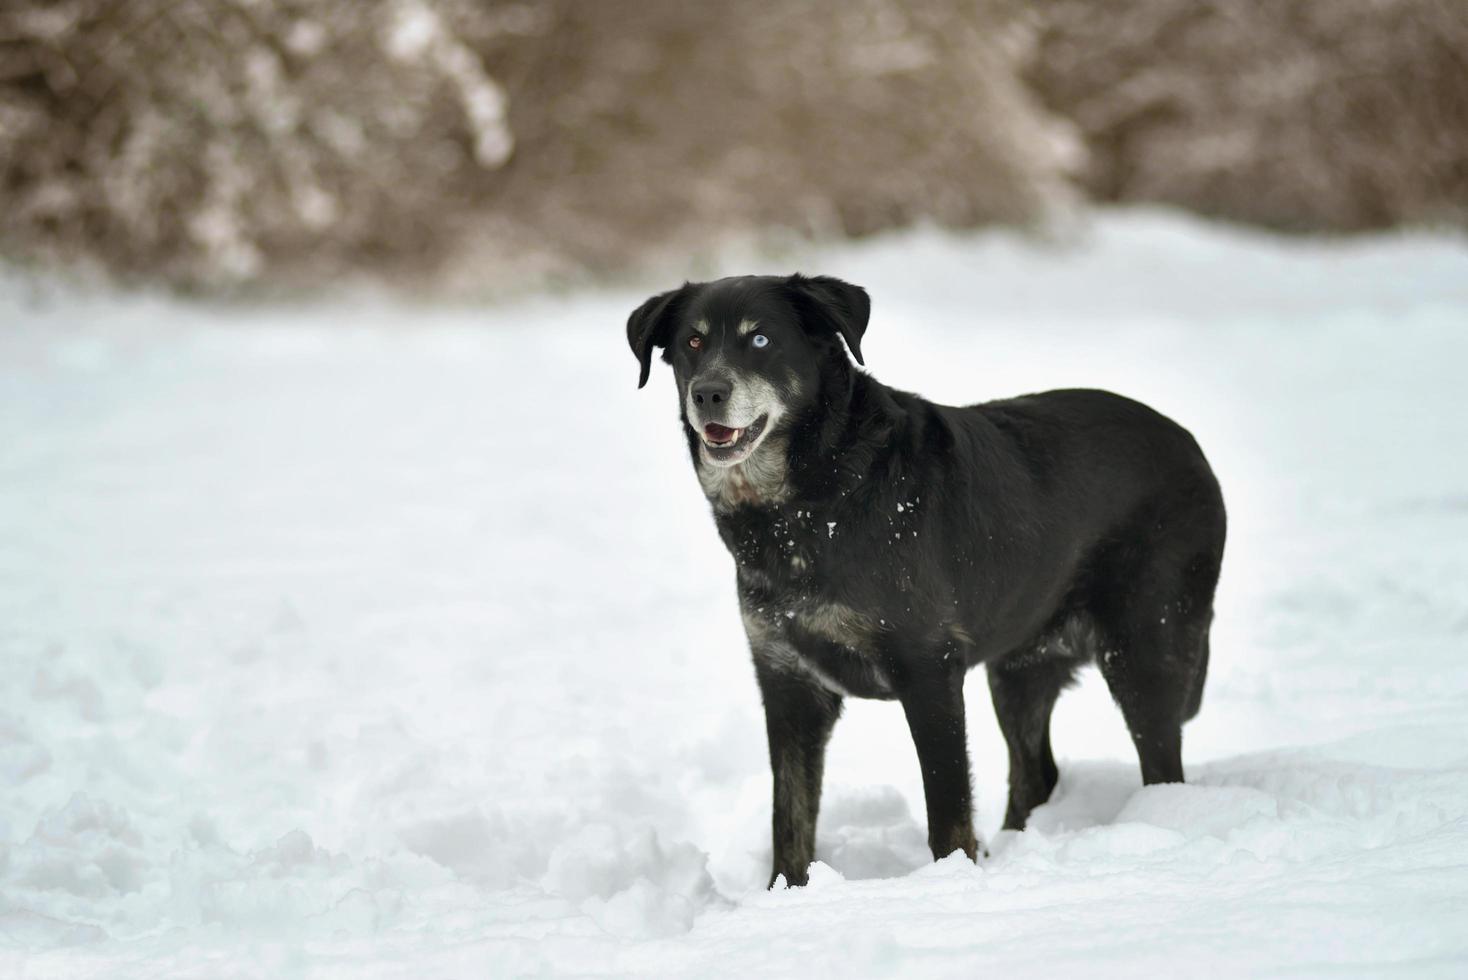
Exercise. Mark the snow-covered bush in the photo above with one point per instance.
(487, 143)
(285, 140)
(215, 143)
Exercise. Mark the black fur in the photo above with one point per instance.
(900, 543)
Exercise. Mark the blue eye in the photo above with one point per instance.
(760, 340)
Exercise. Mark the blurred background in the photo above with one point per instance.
(474, 146)
(359, 616)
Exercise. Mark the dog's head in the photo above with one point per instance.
(748, 352)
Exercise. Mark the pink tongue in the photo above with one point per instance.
(719, 433)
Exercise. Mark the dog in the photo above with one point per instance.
(884, 545)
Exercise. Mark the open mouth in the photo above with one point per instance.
(724, 444)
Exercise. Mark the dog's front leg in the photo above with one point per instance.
(799, 716)
(932, 699)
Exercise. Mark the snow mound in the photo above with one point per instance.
(631, 886)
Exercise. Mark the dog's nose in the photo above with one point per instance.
(710, 393)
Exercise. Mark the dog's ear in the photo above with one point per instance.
(651, 325)
(838, 306)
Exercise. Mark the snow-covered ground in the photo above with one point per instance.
(364, 640)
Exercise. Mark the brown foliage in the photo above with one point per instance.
(662, 125)
(490, 144)
(285, 140)
(1338, 115)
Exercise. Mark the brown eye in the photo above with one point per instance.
(695, 342)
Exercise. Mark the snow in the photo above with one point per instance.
(369, 640)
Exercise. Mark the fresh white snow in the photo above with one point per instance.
(369, 640)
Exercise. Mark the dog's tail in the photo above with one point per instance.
(1200, 674)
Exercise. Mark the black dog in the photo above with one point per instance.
(884, 545)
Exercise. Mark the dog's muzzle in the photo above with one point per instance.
(730, 415)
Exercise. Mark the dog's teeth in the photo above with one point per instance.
(733, 438)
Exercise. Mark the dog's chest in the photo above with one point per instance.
(867, 555)
(785, 550)
(797, 602)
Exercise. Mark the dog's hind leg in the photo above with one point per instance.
(932, 700)
(1152, 695)
(1152, 656)
(1154, 650)
(1024, 688)
(799, 716)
